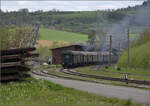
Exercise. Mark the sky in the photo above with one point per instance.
(67, 5)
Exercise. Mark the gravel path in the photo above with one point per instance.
(137, 95)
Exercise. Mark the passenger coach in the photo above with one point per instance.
(79, 58)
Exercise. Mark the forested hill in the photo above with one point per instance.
(80, 21)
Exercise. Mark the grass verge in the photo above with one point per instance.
(34, 92)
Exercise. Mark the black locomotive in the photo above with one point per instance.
(79, 58)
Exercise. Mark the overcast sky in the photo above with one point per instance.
(68, 5)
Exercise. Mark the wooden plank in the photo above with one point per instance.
(14, 69)
(11, 60)
(16, 58)
(10, 77)
(16, 76)
(11, 64)
(16, 51)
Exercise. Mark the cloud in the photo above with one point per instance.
(23, 2)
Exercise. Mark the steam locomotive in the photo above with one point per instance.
(79, 58)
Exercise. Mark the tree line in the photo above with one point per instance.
(80, 21)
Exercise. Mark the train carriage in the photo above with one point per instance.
(78, 58)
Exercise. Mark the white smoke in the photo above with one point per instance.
(119, 31)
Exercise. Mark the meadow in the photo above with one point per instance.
(55, 35)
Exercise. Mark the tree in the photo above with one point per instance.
(144, 37)
(24, 10)
(5, 39)
(14, 37)
(91, 37)
(116, 15)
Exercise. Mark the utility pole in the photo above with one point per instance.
(110, 49)
(128, 32)
(119, 48)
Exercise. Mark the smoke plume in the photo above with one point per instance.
(119, 31)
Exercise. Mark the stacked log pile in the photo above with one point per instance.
(13, 64)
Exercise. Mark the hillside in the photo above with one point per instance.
(139, 53)
(71, 21)
(139, 57)
(55, 35)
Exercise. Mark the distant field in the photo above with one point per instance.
(55, 35)
(50, 43)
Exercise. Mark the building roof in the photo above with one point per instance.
(77, 45)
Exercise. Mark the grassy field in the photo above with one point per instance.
(55, 35)
(44, 93)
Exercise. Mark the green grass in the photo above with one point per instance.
(44, 93)
(55, 35)
(139, 57)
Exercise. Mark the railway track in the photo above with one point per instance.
(47, 74)
(67, 71)
(74, 73)
(98, 68)
(120, 72)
